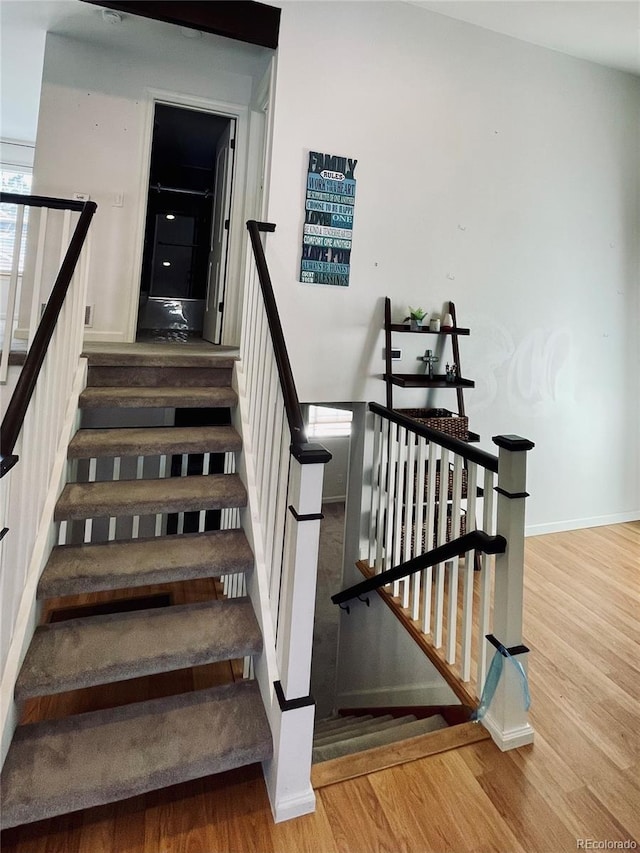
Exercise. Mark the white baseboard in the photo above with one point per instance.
(581, 523)
(287, 808)
(408, 694)
(96, 336)
(27, 615)
(511, 739)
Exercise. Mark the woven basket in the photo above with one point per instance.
(440, 419)
(424, 538)
(463, 491)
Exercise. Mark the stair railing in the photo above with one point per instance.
(448, 556)
(40, 416)
(283, 474)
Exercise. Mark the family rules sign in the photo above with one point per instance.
(328, 220)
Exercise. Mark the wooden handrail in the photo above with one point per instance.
(19, 403)
(300, 448)
(477, 540)
(461, 448)
(43, 201)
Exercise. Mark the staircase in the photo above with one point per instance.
(340, 736)
(83, 760)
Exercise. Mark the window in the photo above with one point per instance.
(326, 422)
(15, 179)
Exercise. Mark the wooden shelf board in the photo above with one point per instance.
(404, 327)
(418, 380)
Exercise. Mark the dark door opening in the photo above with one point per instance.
(181, 236)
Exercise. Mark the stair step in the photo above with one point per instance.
(184, 377)
(147, 497)
(377, 724)
(157, 355)
(331, 723)
(59, 766)
(100, 649)
(153, 441)
(379, 738)
(160, 397)
(76, 569)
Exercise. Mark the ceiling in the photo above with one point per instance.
(602, 31)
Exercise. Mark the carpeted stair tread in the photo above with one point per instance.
(160, 397)
(153, 441)
(147, 497)
(377, 724)
(379, 738)
(159, 357)
(94, 650)
(331, 723)
(60, 766)
(76, 569)
(153, 377)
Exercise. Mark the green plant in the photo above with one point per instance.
(415, 314)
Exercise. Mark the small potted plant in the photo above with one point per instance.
(416, 316)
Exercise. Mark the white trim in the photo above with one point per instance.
(28, 610)
(286, 808)
(512, 739)
(581, 523)
(222, 108)
(104, 337)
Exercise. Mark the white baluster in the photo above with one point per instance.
(469, 565)
(36, 294)
(383, 515)
(484, 626)
(11, 297)
(115, 476)
(206, 462)
(135, 523)
(391, 492)
(409, 549)
(375, 489)
(88, 524)
(399, 514)
(419, 522)
(442, 538)
(452, 617)
(427, 575)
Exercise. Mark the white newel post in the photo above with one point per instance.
(288, 775)
(507, 719)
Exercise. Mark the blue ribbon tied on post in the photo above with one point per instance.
(493, 678)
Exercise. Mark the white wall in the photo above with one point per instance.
(334, 484)
(495, 173)
(91, 134)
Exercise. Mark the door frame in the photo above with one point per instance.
(241, 193)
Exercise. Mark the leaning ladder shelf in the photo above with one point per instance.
(419, 380)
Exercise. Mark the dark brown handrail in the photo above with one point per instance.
(461, 448)
(301, 449)
(19, 403)
(42, 201)
(477, 540)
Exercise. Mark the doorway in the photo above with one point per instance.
(186, 237)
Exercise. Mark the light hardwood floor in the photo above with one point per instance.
(579, 780)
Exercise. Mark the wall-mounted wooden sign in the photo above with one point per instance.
(328, 221)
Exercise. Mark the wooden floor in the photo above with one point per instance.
(580, 780)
